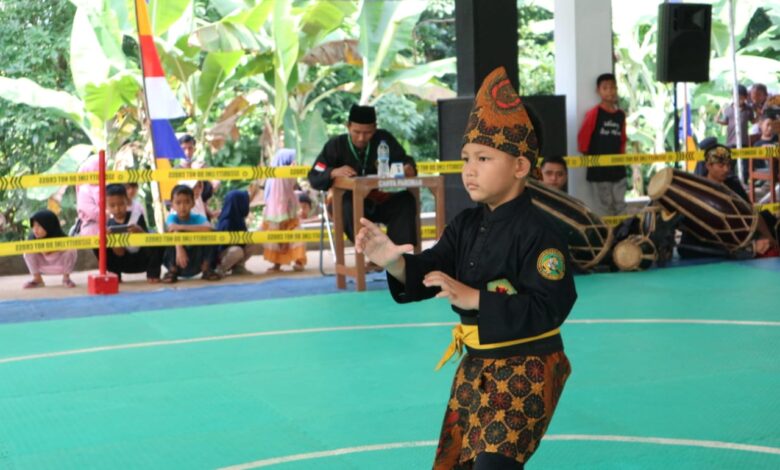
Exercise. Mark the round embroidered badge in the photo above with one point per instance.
(550, 264)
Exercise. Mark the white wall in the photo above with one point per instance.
(583, 51)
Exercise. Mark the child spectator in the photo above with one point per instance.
(603, 132)
(190, 260)
(304, 205)
(768, 136)
(135, 204)
(129, 259)
(232, 218)
(88, 201)
(281, 213)
(45, 224)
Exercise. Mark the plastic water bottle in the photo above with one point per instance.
(383, 160)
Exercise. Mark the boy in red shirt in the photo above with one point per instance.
(603, 132)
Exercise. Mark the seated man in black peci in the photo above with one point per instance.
(355, 154)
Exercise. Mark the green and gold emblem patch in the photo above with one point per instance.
(551, 265)
(502, 286)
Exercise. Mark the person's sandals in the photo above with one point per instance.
(211, 276)
(33, 284)
(170, 278)
(69, 283)
(240, 270)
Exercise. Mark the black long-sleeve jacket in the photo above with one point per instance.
(515, 244)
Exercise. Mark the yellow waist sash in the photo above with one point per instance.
(468, 335)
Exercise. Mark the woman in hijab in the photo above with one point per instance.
(45, 224)
(232, 218)
(281, 213)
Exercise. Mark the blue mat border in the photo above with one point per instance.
(20, 311)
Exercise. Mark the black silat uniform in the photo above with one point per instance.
(135, 260)
(480, 247)
(396, 210)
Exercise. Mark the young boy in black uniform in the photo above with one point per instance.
(503, 268)
(130, 259)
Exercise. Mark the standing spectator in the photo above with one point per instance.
(45, 224)
(603, 132)
(189, 146)
(187, 143)
(281, 213)
(758, 96)
(727, 118)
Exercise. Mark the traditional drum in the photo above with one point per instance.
(589, 238)
(635, 253)
(711, 212)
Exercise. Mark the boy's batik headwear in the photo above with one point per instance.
(717, 154)
(499, 119)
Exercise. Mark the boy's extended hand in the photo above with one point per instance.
(377, 246)
(459, 294)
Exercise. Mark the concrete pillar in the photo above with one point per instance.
(583, 51)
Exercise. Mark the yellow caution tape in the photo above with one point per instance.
(172, 239)
(615, 220)
(299, 171)
(430, 168)
(773, 207)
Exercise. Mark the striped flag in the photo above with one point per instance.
(160, 101)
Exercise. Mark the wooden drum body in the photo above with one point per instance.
(711, 212)
(588, 237)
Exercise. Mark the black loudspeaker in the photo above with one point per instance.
(485, 38)
(550, 117)
(683, 42)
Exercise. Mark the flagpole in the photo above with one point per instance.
(157, 205)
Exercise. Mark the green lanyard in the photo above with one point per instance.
(361, 160)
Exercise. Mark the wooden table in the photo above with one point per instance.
(360, 187)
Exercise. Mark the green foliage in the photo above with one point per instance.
(536, 58)
(35, 41)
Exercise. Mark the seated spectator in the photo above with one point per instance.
(132, 195)
(45, 224)
(718, 164)
(129, 259)
(768, 135)
(187, 261)
(555, 173)
(87, 201)
(232, 218)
